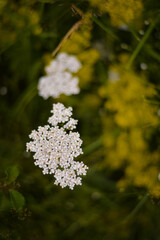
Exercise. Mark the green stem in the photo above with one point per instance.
(138, 207)
(25, 100)
(92, 147)
(152, 53)
(133, 32)
(100, 24)
(142, 42)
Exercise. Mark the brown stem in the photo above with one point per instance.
(3, 186)
(72, 29)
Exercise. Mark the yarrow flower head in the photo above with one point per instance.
(56, 146)
(59, 77)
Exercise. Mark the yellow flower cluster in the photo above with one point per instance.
(128, 125)
(120, 11)
(101, 4)
(29, 15)
(14, 20)
(79, 44)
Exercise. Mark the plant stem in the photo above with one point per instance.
(100, 24)
(152, 53)
(92, 147)
(141, 43)
(138, 207)
(25, 100)
(71, 30)
(133, 32)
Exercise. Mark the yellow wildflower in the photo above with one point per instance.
(120, 11)
(129, 121)
(79, 44)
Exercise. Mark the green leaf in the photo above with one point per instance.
(4, 202)
(17, 199)
(1, 195)
(93, 146)
(12, 173)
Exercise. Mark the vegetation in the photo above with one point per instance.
(118, 112)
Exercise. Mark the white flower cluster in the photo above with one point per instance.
(59, 77)
(56, 147)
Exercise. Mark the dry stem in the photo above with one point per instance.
(72, 29)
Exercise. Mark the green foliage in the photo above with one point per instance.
(17, 199)
(118, 120)
(11, 174)
(1, 195)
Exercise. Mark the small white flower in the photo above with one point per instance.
(54, 85)
(69, 62)
(52, 68)
(146, 22)
(123, 27)
(113, 76)
(143, 66)
(73, 64)
(55, 148)
(71, 124)
(59, 77)
(124, 46)
(60, 114)
(158, 112)
(62, 57)
(3, 91)
(141, 32)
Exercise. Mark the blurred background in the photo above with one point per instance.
(118, 112)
